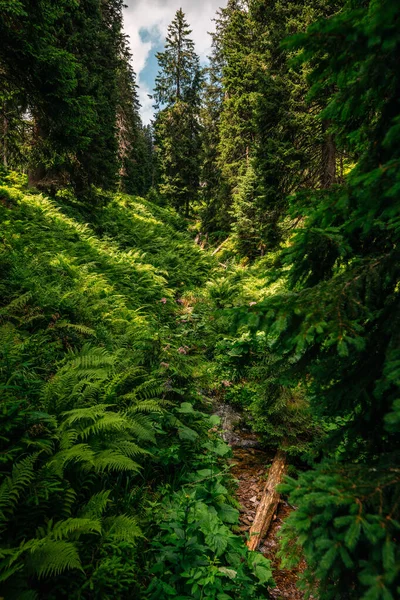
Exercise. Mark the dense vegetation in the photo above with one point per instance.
(117, 330)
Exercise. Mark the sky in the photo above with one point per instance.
(146, 23)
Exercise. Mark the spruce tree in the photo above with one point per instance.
(337, 329)
(216, 217)
(15, 126)
(177, 127)
(294, 149)
(239, 81)
(66, 57)
(134, 140)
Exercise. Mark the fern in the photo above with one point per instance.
(52, 557)
(10, 490)
(69, 499)
(96, 506)
(122, 528)
(16, 305)
(76, 327)
(64, 529)
(129, 449)
(76, 416)
(89, 358)
(108, 422)
(77, 454)
(112, 460)
(82, 415)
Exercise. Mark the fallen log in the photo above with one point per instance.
(269, 501)
(220, 247)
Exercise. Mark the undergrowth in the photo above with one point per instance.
(111, 467)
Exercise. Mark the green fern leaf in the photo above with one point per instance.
(111, 460)
(53, 557)
(122, 528)
(96, 505)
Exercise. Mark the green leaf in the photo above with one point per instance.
(185, 433)
(228, 514)
(231, 573)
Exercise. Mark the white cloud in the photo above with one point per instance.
(156, 15)
(146, 110)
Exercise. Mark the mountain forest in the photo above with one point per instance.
(200, 317)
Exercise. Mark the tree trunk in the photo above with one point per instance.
(328, 175)
(269, 502)
(5, 139)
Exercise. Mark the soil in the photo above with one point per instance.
(250, 468)
(250, 465)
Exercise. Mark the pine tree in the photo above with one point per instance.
(134, 140)
(179, 64)
(293, 149)
(15, 126)
(337, 329)
(215, 192)
(177, 128)
(65, 57)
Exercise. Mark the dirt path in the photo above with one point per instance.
(250, 469)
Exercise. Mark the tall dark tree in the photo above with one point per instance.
(134, 140)
(338, 328)
(215, 194)
(67, 58)
(15, 126)
(179, 64)
(294, 149)
(265, 123)
(177, 127)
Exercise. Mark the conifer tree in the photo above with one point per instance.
(337, 329)
(177, 128)
(293, 149)
(216, 217)
(69, 59)
(239, 82)
(264, 120)
(134, 140)
(15, 126)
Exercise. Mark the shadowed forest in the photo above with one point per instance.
(200, 317)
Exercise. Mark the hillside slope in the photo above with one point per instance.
(107, 456)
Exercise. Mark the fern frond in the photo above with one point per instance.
(9, 571)
(141, 426)
(96, 505)
(76, 415)
(69, 500)
(76, 327)
(149, 389)
(53, 557)
(16, 305)
(80, 453)
(148, 406)
(68, 439)
(63, 529)
(122, 528)
(21, 476)
(129, 449)
(111, 460)
(89, 358)
(108, 423)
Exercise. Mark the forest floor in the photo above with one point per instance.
(249, 466)
(249, 469)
